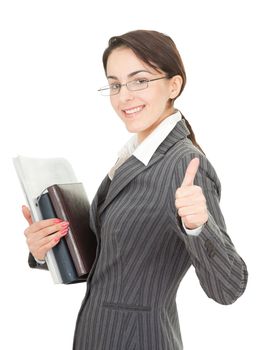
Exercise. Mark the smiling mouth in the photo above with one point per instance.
(134, 110)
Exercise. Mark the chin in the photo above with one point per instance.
(135, 126)
(131, 130)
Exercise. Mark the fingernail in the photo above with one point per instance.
(64, 232)
(57, 221)
(56, 239)
(64, 224)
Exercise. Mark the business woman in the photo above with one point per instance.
(155, 214)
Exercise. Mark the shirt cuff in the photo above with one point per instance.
(40, 262)
(193, 232)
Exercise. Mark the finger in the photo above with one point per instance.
(41, 229)
(193, 221)
(47, 223)
(184, 192)
(189, 201)
(192, 210)
(27, 214)
(40, 247)
(38, 243)
(41, 252)
(191, 172)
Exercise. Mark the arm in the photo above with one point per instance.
(221, 271)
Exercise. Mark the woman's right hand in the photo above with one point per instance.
(43, 235)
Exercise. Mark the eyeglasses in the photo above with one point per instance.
(133, 85)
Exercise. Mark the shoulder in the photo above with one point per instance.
(183, 148)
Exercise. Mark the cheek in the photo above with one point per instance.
(159, 99)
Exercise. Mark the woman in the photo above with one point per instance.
(155, 213)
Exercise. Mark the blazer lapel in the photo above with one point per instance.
(96, 204)
(132, 166)
(123, 175)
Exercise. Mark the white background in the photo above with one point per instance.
(50, 69)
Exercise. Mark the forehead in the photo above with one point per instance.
(123, 61)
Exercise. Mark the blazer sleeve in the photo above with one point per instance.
(221, 271)
(34, 264)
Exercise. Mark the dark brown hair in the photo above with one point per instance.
(157, 50)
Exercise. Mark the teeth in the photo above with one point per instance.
(134, 110)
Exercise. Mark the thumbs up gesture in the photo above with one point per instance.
(190, 200)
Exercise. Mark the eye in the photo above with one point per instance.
(115, 86)
(141, 81)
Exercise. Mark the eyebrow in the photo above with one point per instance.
(129, 75)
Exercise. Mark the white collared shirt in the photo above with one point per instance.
(144, 151)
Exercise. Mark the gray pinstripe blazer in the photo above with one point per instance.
(144, 252)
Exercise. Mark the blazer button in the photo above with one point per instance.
(210, 250)
(211, 253)
(208, 244)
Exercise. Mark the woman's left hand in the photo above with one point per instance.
(190, 200)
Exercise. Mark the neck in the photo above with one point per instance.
(145, 133)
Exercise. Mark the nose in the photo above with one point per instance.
(125, 94)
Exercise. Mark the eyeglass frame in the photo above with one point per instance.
(126, 84)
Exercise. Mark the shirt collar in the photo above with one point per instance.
(144, 151)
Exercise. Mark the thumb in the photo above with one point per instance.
(27, 214)
(191, 172)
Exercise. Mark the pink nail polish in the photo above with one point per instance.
(64, 232)
(64, 224)
(57, 221)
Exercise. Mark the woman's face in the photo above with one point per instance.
(142, 110)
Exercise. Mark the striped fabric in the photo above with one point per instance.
(143, 252)
(118, 163)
